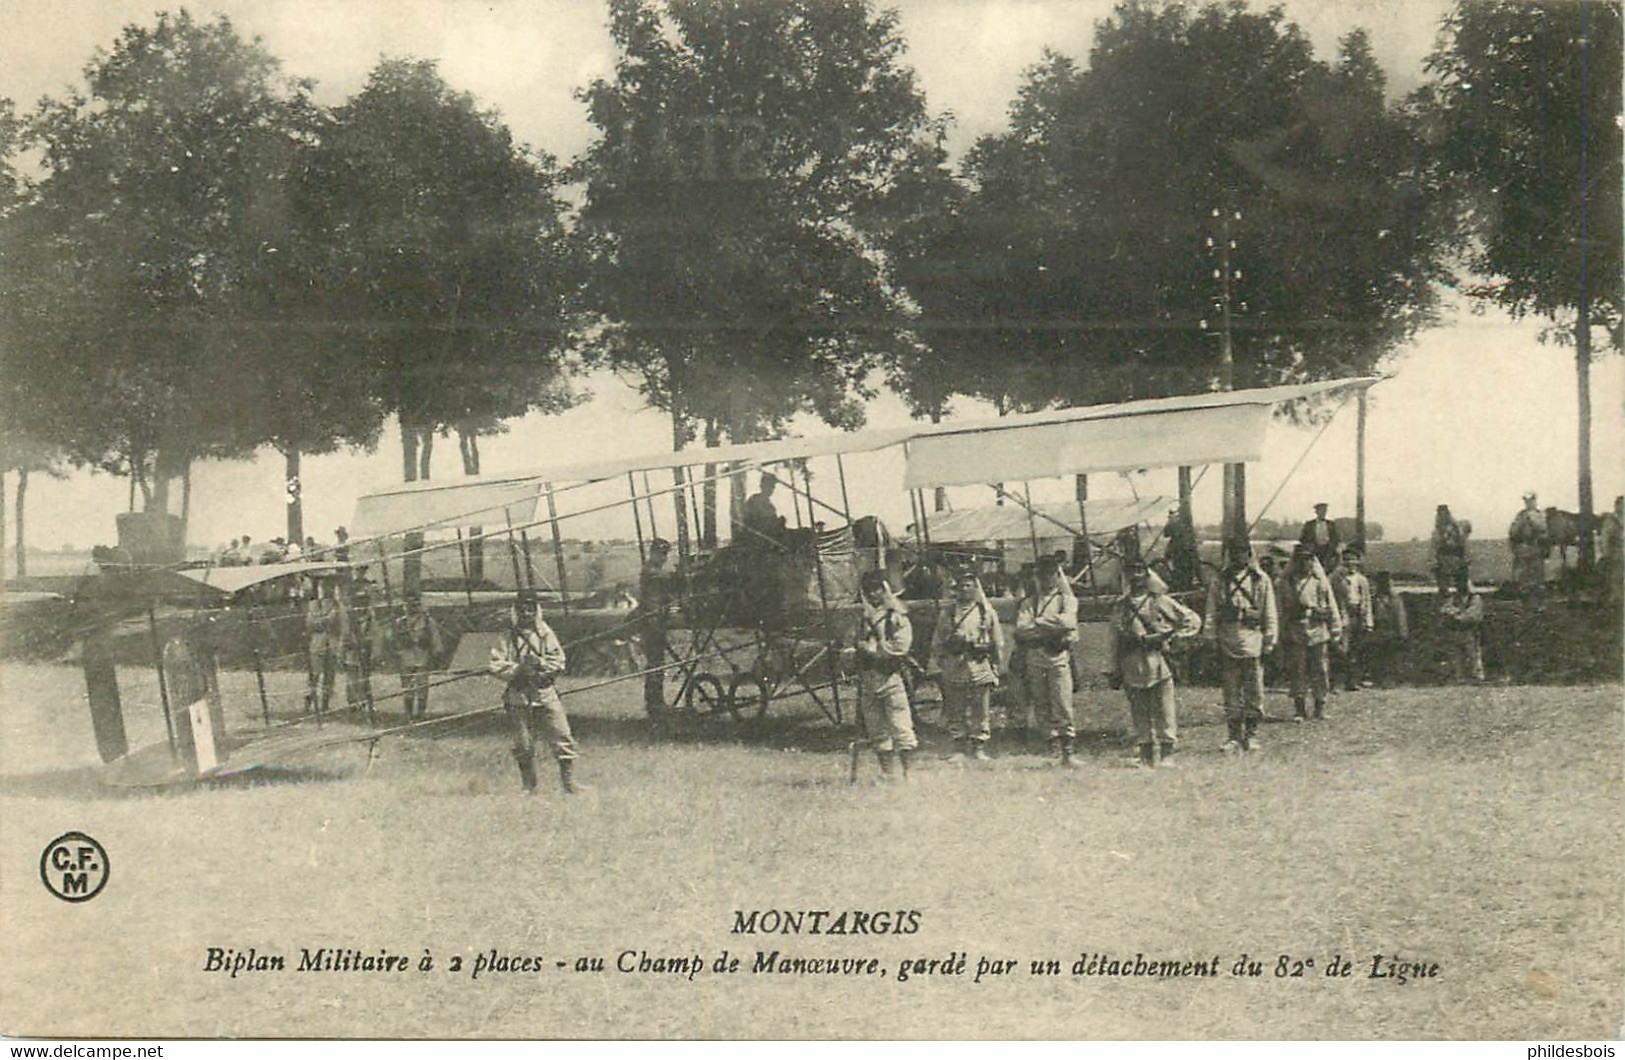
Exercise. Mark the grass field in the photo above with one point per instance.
(1479, 829)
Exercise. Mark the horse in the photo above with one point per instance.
(1563, 531)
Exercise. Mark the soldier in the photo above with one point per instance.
(1530, 543)
(1145, 619)
(360, 636)
(1390, 629)
(325, 634)
(1449, 549)
(1353, 592)
(1463, 613)
(1242, 621)
(760, 521)
(883, 641)
(1320, 534)
(529, 659)
(1046, 629)
(1309, 623)
(970, 645)
(1613, 541)
(653, 596)
(1022, 701)
(418, 643)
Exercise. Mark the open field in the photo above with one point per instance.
(1480, 829)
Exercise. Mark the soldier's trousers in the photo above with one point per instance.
(357, 688)
(541, 714)
(886, 714)
(654, 655)
(1309, 664)
(1050, 677)
(323, 670)
(1243, 684)
(1469, 657)
(1154, 713)
(1351, 661)
(967, 709)
(414, 691)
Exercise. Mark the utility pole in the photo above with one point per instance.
(1222, 247)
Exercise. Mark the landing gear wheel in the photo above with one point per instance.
(747, 697)
(704, 695)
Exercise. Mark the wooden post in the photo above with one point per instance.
(1359, 475)
(558, 548)
(468, 582)
(637, 518)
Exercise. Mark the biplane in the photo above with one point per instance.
(722, 634)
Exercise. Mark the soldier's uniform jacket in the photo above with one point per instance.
(1465, 616)
(1048, 623)
(968, 643)
(366, 638)
(1389, 619)
(1528, 533)
(1142, 624)
(883, 642)
(1309, 613)
(1241, 613)
(537, 658)
(1353, 592)
(326, 625)
(417, 640)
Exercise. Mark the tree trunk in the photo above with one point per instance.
(708, 494)
(1582, 371)
(186, 501)
(679, 479)
(22, 525)
(468, 444)
(425, 453)
(296, 501)
(736, 498)
(409, 450)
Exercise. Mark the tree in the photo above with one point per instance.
(1524, 113)
(449, 259)
(1078, 261)
(744, 150)
(164, 188)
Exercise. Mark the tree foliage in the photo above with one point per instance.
(1078, 259)
(745, 149)
(443, 256)
(1524, 113)
(129, 273)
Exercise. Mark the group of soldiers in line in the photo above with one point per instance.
(347, 630)
(242, 553)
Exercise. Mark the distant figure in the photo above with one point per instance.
(1242, 620)
(1449, 549)
(1530, 543)
(1609, 566)
(276, 552)
(654, 598)
(1320, 534)
(325, 635)
(1183, 562)
(1353, 592)
(233, 555)
(418, 643)
(760, 522)
(1023, 701)
(1390, 630)
(292, 552)
(360, 649)
(312, 549)
(341, 551)
(1309, 623)
(1462, 610)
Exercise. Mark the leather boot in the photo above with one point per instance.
(978, 751)
(904, 760)
(1320, 710)
(1148, 755)
(958, 753)
(1168, 748)
(1298, 711)
(567, 779)
(1067, 761)
(1249, 732)
(888, 765)
(527, 769)
(1236, 737)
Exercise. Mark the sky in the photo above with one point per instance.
(1476, 411)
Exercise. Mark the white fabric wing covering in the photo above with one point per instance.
(1225, 434)
(447, 506)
